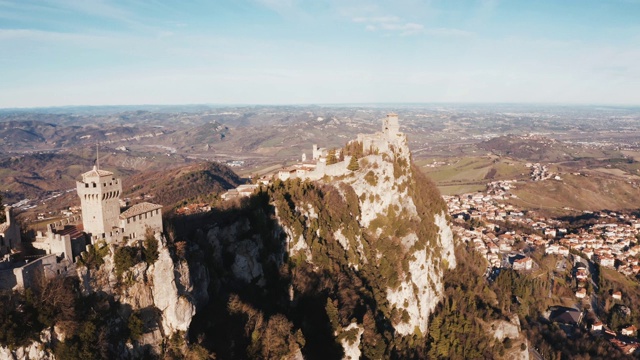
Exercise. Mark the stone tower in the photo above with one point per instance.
(99, 193)
(390, 125)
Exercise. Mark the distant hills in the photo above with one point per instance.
(197, 181)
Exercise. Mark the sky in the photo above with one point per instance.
(99, 52)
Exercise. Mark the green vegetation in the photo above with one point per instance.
(331, 157)
(150, 249)
(124, 259)
(135, 327)
(93, 258)
(353, 164)
(371, 178)
(354, 148)
(456, 330)
(612, 310)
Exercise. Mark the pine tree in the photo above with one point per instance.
(331, 157)
(353, 164)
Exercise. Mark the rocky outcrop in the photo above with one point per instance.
(37, 350)
(167, 285)
(385, 187)
(351, 347)
(177, 310)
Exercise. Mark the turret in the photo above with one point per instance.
(390, 125)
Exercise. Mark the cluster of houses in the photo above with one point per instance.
(541, 172)
(609, 241)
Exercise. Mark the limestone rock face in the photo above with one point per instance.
(177, 310)
(385, 186)
(169, 285)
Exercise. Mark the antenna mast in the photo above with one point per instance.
(97, 157)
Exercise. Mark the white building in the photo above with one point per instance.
(99, 193)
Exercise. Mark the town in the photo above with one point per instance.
(507, 236)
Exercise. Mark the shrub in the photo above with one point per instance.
(150, 250)
(136, 327)
(371, 178)
(124, 259)
(94, 257)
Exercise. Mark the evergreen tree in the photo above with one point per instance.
(353, 164)
(331, 157)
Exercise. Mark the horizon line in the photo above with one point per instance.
(53, 107)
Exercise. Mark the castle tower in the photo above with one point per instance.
(390, 125)
(99, 193)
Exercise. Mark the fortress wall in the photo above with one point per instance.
(137, 229)
(337, 169)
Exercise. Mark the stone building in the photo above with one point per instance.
(9, 232)
(99, 193)
(137, 219)
(371, 144)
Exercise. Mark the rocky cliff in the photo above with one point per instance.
(355, 261)
(163, 292)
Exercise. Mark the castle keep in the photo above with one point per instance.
(99, 193)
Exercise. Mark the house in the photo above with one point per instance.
(617, 295)
(607, 261)
(525, 263)
(493, 248)
(629, 330)
(597, 326)
(580, 294)
(504, 246)
(566, 315)
(563, 251)
(588, 252)
(551, 249)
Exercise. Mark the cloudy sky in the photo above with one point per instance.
(97, 52)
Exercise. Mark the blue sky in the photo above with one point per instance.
(98, 52)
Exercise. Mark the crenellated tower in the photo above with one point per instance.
(99, 193)
(390, 125)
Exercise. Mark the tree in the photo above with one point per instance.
(353, 164)
(331, 157)
(150, 247)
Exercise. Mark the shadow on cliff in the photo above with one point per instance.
(244, 249)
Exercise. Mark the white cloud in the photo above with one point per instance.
(390, 24)
(396, 25)
(376, 19)
(448, 32)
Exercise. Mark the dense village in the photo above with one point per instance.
(506, 236)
